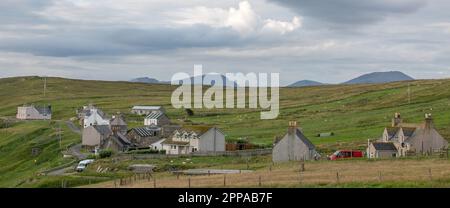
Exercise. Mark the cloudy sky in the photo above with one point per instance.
(323, 40)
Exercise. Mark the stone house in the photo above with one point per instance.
(34, 113)
(94, 136)
(144, 136)
(157, 119)
(410, 138)
(117, 143)
(294, 146)
(118, 125)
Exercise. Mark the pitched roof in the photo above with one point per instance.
(103, 129)
(384, 146)
(392, 131)
(123, 139)
(140, 107)
(154, 115)
(145, 131)
(305, 140)
(118, 121)
(408, 131)
(44, 110)
(169, 141)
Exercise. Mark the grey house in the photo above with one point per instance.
(94, 136)
(118, 125)
(117, 143)
(294, 146)
(34, 113)
(381, 150)
(145, 110)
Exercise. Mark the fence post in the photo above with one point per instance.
(260, 182)
(209, 172)
(429, 174)
(337, 177)
(380, 179)
(154, 182)
(224, 180)
(300, 178)
(189, 182)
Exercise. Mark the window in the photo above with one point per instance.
(174, 147)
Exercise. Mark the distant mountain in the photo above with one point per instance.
(305, 83)
(380, 77)
(145, 80)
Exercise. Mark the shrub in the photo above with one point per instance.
(105, 153)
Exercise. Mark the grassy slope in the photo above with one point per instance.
(354, 113)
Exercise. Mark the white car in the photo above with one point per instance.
(82, 165)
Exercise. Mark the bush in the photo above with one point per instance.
(105, 153)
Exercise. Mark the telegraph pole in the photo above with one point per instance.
(45, 85)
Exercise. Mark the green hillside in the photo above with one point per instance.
(354, 113)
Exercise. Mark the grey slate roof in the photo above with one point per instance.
(305, 140)
(123, 139)
(44, 110)
(103, 129)
(118, 121)
(146, 131)
(155, 115)
(384, 146)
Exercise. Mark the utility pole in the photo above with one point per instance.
(60, 137)
(409, 93)
(45, 85)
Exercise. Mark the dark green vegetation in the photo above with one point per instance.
(354, 113)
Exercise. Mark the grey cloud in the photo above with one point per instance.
(351, 12)
(122, 41)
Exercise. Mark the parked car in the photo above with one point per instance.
(342, 154)
(83, 164)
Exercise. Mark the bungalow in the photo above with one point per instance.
(145, 136)
(156, 118)
(294, 146)
(195, 139)
(34, 113)
(409, 138)
(145, 110)
(94, 136)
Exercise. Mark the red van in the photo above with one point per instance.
(341, 154)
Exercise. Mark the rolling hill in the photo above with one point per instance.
(305, 83)
(380, 77)
(354, 113)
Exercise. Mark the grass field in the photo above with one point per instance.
(354, 113)
(355, 173)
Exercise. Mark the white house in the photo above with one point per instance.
(195, 139)
(145, 110)
(157, 118)
(95, 117)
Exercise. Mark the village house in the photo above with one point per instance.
(94, 136)
(34, 113)
(401, 139)
(294, 146)
(91, 115)
(145, 110)
(157, 119)
(116, 143)
(195, 139)
(145, 136)
(118, 125)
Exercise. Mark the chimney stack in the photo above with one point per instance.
(428, 121)
(292, 127)
(397, 120)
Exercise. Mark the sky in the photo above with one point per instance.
(329, 41)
